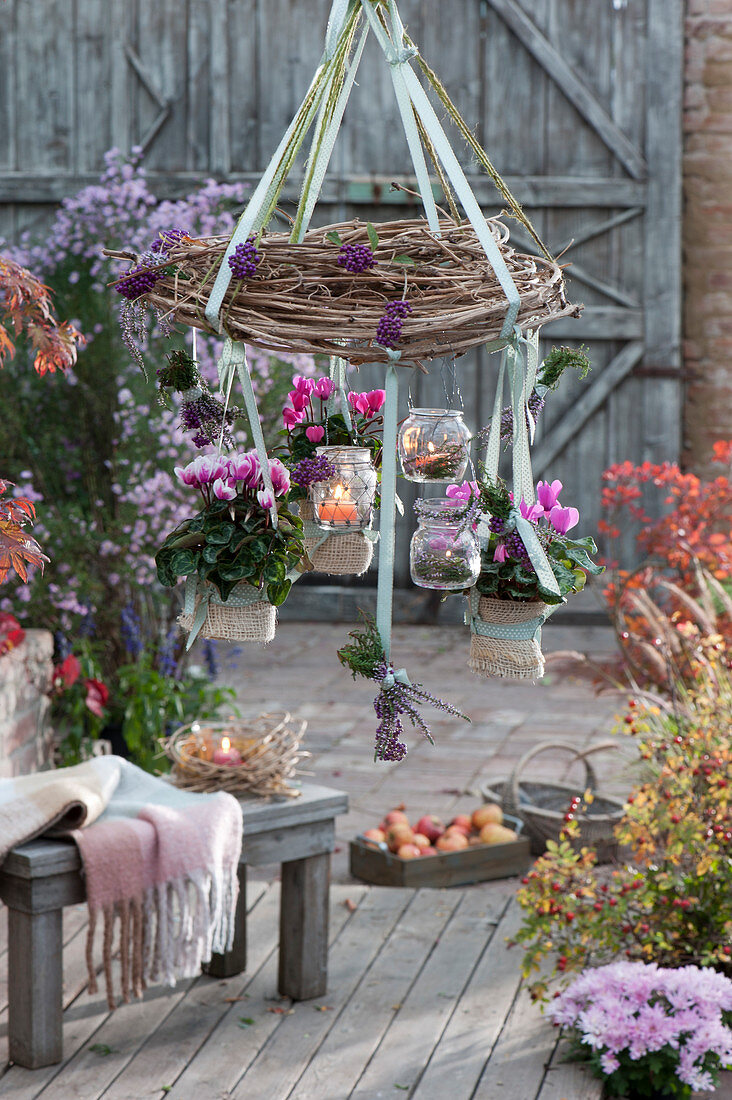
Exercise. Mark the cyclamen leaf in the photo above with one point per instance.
(373, 235)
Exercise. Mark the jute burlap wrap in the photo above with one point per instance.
(241, 619)
(516, 659)
(346, 552)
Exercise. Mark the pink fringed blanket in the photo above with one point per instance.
(161, 861)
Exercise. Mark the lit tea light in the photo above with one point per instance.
(226, 753)
(338, 510)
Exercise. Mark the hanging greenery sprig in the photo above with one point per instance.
(200, 411)
(397, 696)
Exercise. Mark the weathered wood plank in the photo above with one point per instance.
(233, 1047)
(434, 997)
(598, 323)
(280, 1063)
(34, 988)
(568, 1079)
(519, 1060)
(357, 189)
(43, 73)
(8, 111)
(466, 1043)
(303, 960)
(576, 91)
(385, 984)
(591, 400)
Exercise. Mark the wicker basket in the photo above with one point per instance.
(302, 300)
(235, 620)
(516, 659)
(542, 805)
(270, 749)
(340, 553)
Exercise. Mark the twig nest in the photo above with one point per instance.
(313, 297)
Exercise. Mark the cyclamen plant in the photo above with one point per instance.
(232, 539)
(311, 422)
(648, 1031)
(506, 568)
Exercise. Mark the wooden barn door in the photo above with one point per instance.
(578, 103)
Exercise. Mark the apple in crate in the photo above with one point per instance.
(396, 835)
(430, 826)
(409, 851)
(377, 835)
(395, 817)
(462, 822)
(453, 842)
(491, 813)
(421, 841)
(492, 833)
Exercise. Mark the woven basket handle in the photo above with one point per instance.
(578, 754)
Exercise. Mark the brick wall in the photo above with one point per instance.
(707, 229)
(25, 735)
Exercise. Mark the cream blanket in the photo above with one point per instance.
(160, 861)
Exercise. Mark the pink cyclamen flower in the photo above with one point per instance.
(223, 491)
(207, 468)
(97, 695)
(280, 477)
(324, 387)
(462, 492)
(563, 519)
(265, 498)
(499, 554)
(548, 495)
(292, 418)
(300, 401)
(315, 433)
(303, 385)
(186, 474)
(531, 512)
(376, 399)
(360, 402)
(244, 467)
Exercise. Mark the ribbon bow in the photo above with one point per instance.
(396, 676)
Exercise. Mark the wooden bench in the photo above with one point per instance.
(39, 878)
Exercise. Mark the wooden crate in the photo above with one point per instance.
(477, 864)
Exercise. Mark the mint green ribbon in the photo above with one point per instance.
(395, 676)
(234, 360)
(387, 511)
(513, 632)
(244, 595)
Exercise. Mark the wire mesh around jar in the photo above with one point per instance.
(434, 446)
(345, 501)
(302, 300)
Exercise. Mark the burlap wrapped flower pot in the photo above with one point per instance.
(244, 617)
(335, 552)
(517, 658)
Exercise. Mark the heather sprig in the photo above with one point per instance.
(179, 373)
(560, 359)
(365, 657)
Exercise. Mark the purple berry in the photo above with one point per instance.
(356, 257)
(244, 261)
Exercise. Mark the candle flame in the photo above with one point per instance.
(338, 492)
(430, 446)
(225, 743)
(448, 553)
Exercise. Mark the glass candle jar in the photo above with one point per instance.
(444, 552)
(346, 500)
(434, 445)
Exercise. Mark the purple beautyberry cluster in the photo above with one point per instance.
(243, 262)
(136, 282)
(536, 404)
(515, 547)
(168, 238)
(310, 470)
(390, 325)
(356, 257)
(205, 416)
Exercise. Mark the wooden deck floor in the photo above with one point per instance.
(423, 1002)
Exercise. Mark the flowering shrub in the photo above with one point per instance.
(506, 569)
(665, 608)
(650, 1031)
(670, 901)
(78, 705)
(11, 633)
(232, 539)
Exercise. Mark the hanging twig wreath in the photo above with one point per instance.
(312, 296)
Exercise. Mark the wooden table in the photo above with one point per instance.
(39, 878)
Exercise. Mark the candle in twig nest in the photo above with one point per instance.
(226, 753)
